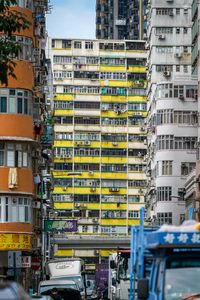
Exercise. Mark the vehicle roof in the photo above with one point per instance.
(64, 259)
(57, 281)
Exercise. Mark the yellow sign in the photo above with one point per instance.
(15, 241)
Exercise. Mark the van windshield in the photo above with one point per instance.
(181, 278)
(77, 279)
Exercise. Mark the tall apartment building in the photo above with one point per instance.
(172, 109)
(121, 19)
(99, 136)
(20, 128)
(195, 203)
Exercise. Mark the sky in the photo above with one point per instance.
(72, 19)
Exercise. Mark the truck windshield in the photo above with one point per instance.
(77, 279)
(181, 278)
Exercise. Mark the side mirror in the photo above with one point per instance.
(143, 288)
(112, 264)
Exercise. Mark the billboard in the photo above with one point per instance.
(60, 225)
(15, 241)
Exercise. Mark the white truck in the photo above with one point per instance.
(68, 269)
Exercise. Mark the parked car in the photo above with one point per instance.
(12, 291)
(42, 297)
(46, 286)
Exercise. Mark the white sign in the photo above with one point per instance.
(26, 261)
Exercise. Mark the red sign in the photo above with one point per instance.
(35, 263)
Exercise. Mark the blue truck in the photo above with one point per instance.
(165, 265)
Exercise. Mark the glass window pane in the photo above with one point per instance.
(12, 105)
(19, 105)
(26, 106)
(3, 104)
(10, 159)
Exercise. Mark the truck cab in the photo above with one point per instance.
(175, 267)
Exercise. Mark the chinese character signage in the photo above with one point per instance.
(60, 225)
(15, 241)
(26, 261)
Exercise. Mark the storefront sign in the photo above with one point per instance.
(15, 241)
(35, 263)
(26, 261)
(60, 225)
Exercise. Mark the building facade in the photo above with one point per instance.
(121, 19)
(99, 135)
(172, 110)
(21, 110)
(195, 203)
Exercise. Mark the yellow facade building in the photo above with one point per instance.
(99, 134)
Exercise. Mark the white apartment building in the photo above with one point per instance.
(172, 109)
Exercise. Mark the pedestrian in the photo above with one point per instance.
(105, 291)
(30, 291)
(54, 294)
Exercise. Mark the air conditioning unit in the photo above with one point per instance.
(142, 129)
(90, 172)
(95, 220)
(104, 108)
(178, 55)
(161, 37)
(181, 97)
(93, 189)
(83, 205)
(140, 191)
(114, 143)
(167, 73)
(137, 114)
(114, 189)
(77, 204)
(68, 156)
(64, 188)
(87, 143)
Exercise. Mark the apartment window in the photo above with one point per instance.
(177, 68)
(137, 183)
(166, 49)
(63, 105)
(187, 167)
(88, 45)
(14, 155)
(62, 59)
(16, 102)
(113, 183)
(164, 193)
(92, 60)
(164, 116)
(66, 43)
(164, 30)
(86, 105)
(178, 90)
(77, 45)
(16, 209)
(53, 43)
(185, 69)
(178, 11)
(84, 228)
(164, 11)
(164, 142)
(167, 167)
(178, 30)
(164, 218)
(185, 49)
(185, 30)
(134, 214)
(133, 199)
(3, 104)
(135, 168)
(113, 152)
(164, 68)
